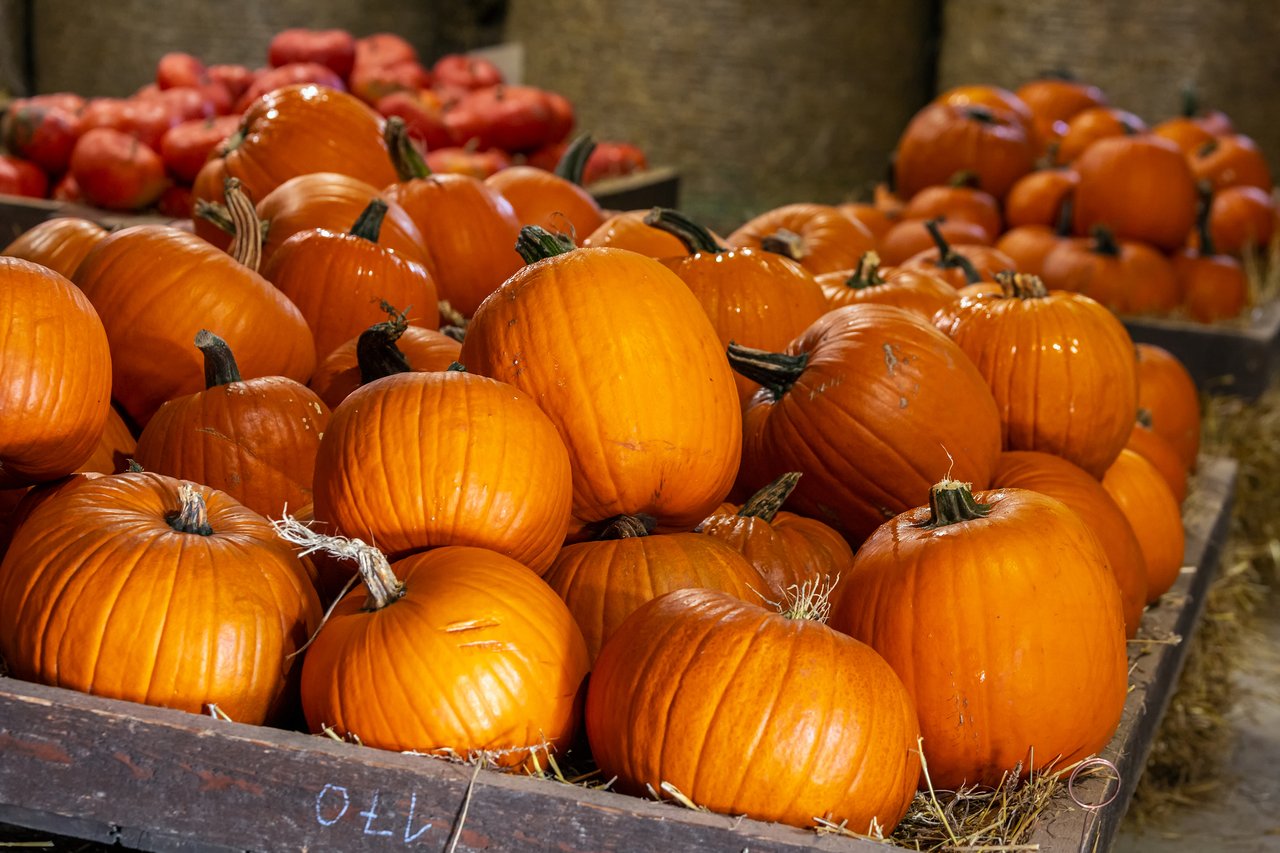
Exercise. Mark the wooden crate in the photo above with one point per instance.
(162, 780)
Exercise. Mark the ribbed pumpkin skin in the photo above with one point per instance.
(917, 291)
(419, 460)
(1145, 498)
(1083, 493)
(1167, 391)
(1007, 632)
(544, 198)
(627, 230)
(748, 712)
(604, 582)
(832, 241)
(1157, 450)
(478, 653)
(155, 287)
(114, 450)
(59, 244)
(339, 374)
(296, 130)
(752, 297)
(127, 607)
(55, 375)
(470, 231)
(869, 448)
(256, 440)
(620, 355)
(1136, 280)
(333, 201)
(943, 139)
(338, 281)
(790, 550)
(1061, 369)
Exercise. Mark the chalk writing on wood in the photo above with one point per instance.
(334, 802)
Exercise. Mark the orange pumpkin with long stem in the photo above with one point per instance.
(817, 236)
(1167, 391)
(909, 237)
(59, 244)
(1146, 500)
(916, 290)
(971, 619)
(554, 200)
(958, 266)
(254, 439)
(628, 230)
(1213, 286)
(1127, 276)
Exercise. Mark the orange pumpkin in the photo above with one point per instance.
(909, 237)
(59, 244)
(1039, 198)
(1053, 101)
(958, 266)
(1127, 276)
(943, 139)
(1028, 246)
(956, 202)
(1167, 391)
(114, 450)
(1152, 510)
(916, 290)
(971, 616)
(1231, 161)
(1213, 286)
(1089, 125)
(1157, 450)
(875, 219)
(817, 236)
(628, 230)
(1242, 219)
(1140, 187)
(554, 200)
(992, 97)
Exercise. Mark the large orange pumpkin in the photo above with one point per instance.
(55, 375)
(628, 230)
(648, 409)
(942, 140)
(1146, 500)
(59, 243)
(1167, 391)
(747, 711)
(1140, 187)
(1001, 616)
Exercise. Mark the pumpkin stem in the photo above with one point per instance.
(458, 333)
(381, 582)
(246, 241)
(695, 237)
(627, 527)
(1104, 242)
(766, 503)
(1017, 285)
(219, 364)
(573, 163)
(1144, 418)
(810, 601)
(1203, 209)
(218, 216)
(963, 178)
(1208, 148)
(867, 274)
(951, 502)
(456, 367)
(787, 243)
(405, 156)
(1066, 215)
(369, 224)
(979, 113)
(376, 352)
(192, 515)
(776, 371)
(949, 258)
(536, 243)
(450, 315)
(1190, 100)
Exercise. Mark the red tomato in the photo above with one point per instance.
(334, 49)
(117, 171)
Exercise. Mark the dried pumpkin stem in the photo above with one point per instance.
(458, 333)
(776, 371)
(573, 163)
(952, 502)
(376, 352)
(785, 242)
(381, 582)
(766, 503)
(867, 273)
(405, 156)
(193, 514)
(695, 237)
(219, 363)
(1018, 285)
(810, 601)
(949, 258)
(627, 527)
(536, 243)
(1104, 241)
(369, 224)
(1144, 417)
(1205, 206)
(246, 242)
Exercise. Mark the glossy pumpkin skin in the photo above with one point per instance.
(338, 279)
(831, 240)
(627, 230)
(59, 243)
(1157, 450)
(868, 449)
(498, 662)
(915, 290)
(1152, 510)
(55, 375)
(114, 450)
(765, 743)
(1056, 477)
(1008, 651)
(277, 141)
(1140, 187)
(398, 466)
(155, 287)
(129, 608)
(649, 412)
(339, 374)
(1167, 391)
(943, 139)
(604, 581)
(544, 198)
(1127, 276)
(470, 231)
(1061, 368)
(1037, 198)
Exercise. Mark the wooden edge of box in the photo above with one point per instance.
(164, 780)
(1156, 659)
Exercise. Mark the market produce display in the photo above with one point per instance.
(592, 481)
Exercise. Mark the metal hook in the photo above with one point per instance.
(1109, 793)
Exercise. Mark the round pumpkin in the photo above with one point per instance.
(943, 139)
(1127, 276)
(628, 230)
(817, 236)
(1146, 500)
(1039, 198)
(1233, 160)
(1156, 449)
(956, 202)
(910, 237)
(553, 200)
(1028, 246)
(916, 290)
(1089, 125)
(1140, 187)
(1242, 219)
(1053, 101)
(1167, 391)
(59, 244)
(958, 266)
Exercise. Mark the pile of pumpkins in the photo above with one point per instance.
(552, 508)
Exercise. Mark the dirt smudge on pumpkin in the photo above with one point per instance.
(890, 358)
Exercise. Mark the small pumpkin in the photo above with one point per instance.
(958, 265)
(1231, 161)
(909, 237)
(1053, 101)
(817, 236)
(916, 290)
(1157, 450)
(1039, 198)
(553, 200)
(1028, 246)
(943, 139)
(1242, 219)
(1213, 286)
(59, 244)
(1127, 276)
(1089, 125)
(628, 230)
(1167, 391)
(1140, 187)
(1146, 500)
(956, 201)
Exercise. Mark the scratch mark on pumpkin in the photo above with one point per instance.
(890, 359)
(902, 402)
(471, 625)
(216, 434)
(488, 646)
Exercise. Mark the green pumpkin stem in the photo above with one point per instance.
(775, 371)
(246, 240)
(192, 515)
(1104, 241)
(369, 224)
(219, 364)
(787, 243)
(695, 237)
(951, 502)
(1204, 207)
(867, 273)
(377, 355)
(627, 527)
(405, 156)
(1017, 285)
(536, 243)
(766, 503)
(456, 367)
(949, 258)
(573, 163)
